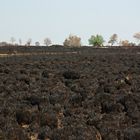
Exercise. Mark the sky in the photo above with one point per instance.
(57, 19)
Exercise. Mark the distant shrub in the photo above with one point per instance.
(72, 41)
(96, 41)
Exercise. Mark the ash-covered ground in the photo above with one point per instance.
(88, 95)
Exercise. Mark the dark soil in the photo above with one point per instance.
(92, 95)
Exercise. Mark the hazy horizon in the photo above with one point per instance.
(57, 19)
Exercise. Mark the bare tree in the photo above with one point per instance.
(12, 40)
(47, 41)
(29, 41)
(37, 44)
(137, 36)
(72, 41)
(113, 39)
(20, 42)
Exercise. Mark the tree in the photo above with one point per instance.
(124, 43)
(96, 41)
(47, 41)
(113, 39)
(72, 41)
(3, 43)
(20, 42)
(132, 44)
(137, 36)
(37, 43)
(29, 41)
(12, 40)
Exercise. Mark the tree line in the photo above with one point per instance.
(75, 41)
(46, 41)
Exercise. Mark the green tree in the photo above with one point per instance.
(96, 41)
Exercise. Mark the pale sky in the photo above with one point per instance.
(57, 19)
